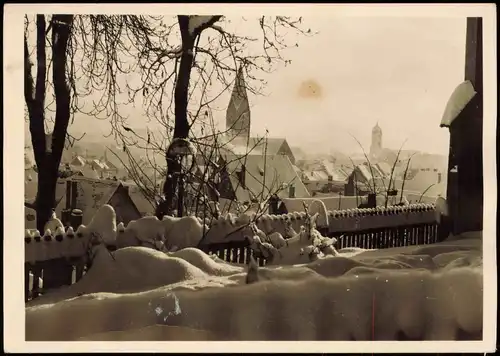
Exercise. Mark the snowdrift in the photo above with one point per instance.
(418, 293)
(137, 269)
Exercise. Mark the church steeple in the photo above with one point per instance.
(376, 145)
(238, 110)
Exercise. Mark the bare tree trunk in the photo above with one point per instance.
(48, 160)
(181, 130)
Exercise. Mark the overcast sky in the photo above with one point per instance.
(356, 72)
(397, 71)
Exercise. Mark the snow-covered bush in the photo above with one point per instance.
(144, 230)
(277, 240)
(289, 230)
(307, 245)
(183, 232)
(102, 227)
(125, 238)
(170, 233)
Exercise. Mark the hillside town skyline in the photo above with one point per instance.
(105, 171)
(351, 86)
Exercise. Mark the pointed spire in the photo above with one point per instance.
(376, 128)
(238, 110)
(240, 86)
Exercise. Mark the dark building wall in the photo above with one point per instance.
(350, 187)
(465, 187)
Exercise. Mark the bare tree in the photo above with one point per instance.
(221, 56)
(86, 55)
(385, 189)
(47, 154)
(96, 55)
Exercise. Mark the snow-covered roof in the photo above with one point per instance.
(460, 97)
(365, 171)
(278, 170)
(78, 161)
(315, 176)
(143, 204)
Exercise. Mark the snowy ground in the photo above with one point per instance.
(431, 292)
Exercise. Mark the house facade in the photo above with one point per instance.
(255, 178)
(368, 178)
(89, 195)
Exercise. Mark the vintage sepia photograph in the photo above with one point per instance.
(236, 173)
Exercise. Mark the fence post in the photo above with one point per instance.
(76, 218)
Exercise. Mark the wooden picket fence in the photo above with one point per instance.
(369, 229)
(379, 238)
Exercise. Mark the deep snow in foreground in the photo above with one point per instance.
(431, 292)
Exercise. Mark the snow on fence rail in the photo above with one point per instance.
(394, 226)
(58, 259)
(338, 222)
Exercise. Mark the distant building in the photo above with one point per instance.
(245, 168)
(400, 159)
(91, 194)
(259, 145)
(254, 178)
(238, 125)
(368, 178)
(78, 162)
(376, 145)
(324, 176)
(238, 110)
